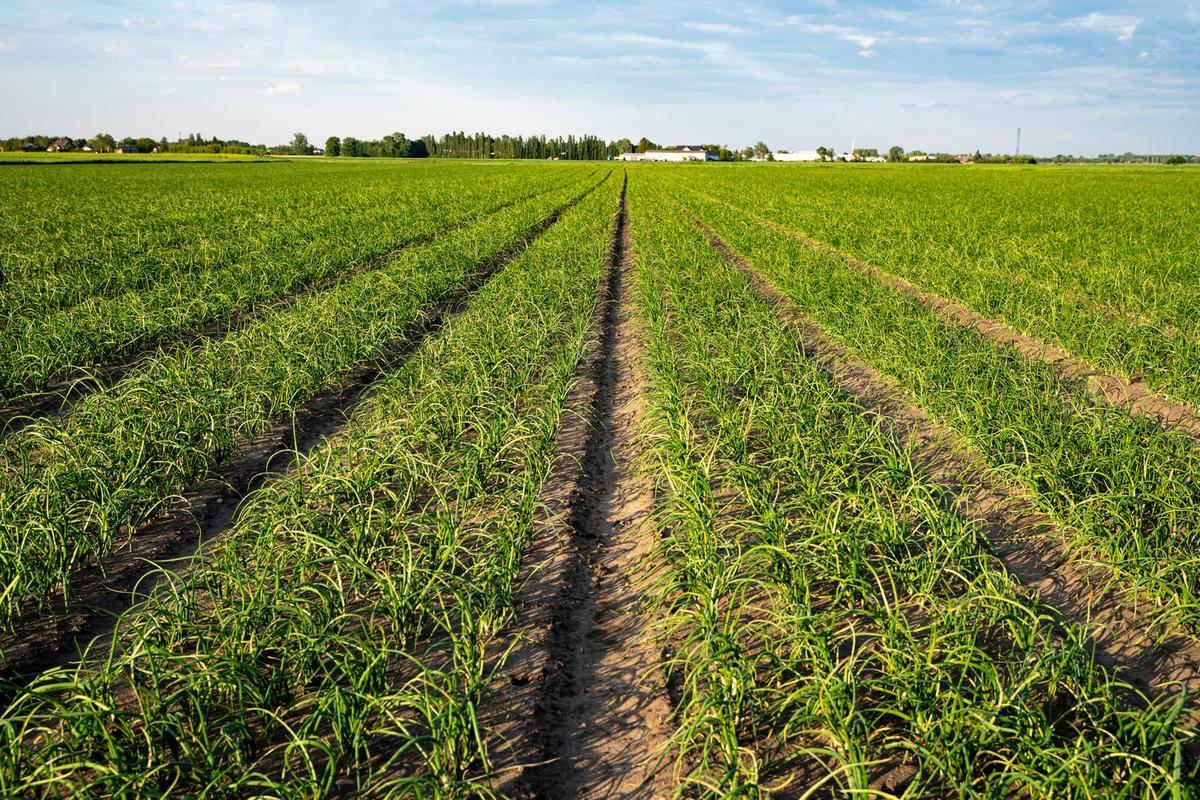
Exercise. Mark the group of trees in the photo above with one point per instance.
(478, 145)
(106, 143)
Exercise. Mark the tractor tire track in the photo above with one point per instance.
(587, 714)
(1148, 650)
(100, 592)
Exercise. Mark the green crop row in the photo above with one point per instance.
(1099, 261)
(335, 640)
(73, 488)
(71, 234)
(1126, 490)
(837, 631)
(157, 300)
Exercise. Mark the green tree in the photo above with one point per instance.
(761, 151)
(1176, 160)
(145, 144)
(300, 145)
(895, 153)
(645, 145)
(333, 146)
(102, 143)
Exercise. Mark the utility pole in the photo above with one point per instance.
(1018, 143)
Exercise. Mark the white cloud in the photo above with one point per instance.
(283, 87)
(866, 42)
(713, 27)
(1124, 27)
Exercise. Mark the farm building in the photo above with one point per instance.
(678, 153)
(58, 145)
(799, 155)
(125, 148)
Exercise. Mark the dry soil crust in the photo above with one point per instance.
(587, 715)
(1147, 652)
(207, 509)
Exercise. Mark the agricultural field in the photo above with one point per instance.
(358, 478)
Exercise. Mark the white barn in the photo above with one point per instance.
(798, 155)
(681, 152)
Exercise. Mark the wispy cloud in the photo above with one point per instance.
(1122, 76)
(714, 27)
(1123, 26)
(865, 41)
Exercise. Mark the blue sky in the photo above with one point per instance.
(1077, 77)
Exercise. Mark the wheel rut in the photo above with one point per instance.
(204, 511)
(1148, 650)
(587, 715)
(61, 394)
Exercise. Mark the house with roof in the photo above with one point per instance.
(681, 152)
(125, 148)
(60, 145)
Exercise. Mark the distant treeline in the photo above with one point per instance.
(482, 145)
(477, 145)
(104, 143)
(394, 145)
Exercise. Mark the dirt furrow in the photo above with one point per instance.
(204, 511)
(587, 716)
(1147, 649)
(1131, 394)
(62, 393)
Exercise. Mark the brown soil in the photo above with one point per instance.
(586, 714)
(1132, 394)
(100, 592)
(61, 393)
(1142, 646)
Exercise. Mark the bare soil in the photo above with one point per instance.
(101, 591)
(587, 715)
(1143, 646)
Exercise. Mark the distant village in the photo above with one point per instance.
(762, 153)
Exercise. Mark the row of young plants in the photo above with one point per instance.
(334, 641)
(72, 488)
(96, 232)
(837, 631)
(99, 230)
(1126, 490)
(173, 294)
(1102, 263)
